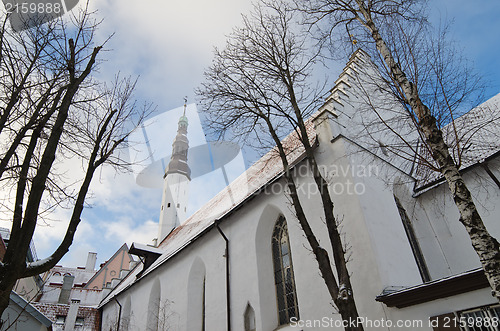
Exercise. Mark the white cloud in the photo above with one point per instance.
(168, 43)
(126, 231)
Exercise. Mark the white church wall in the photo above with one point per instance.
(154, 302)
(443, 239)
(380, 256)
(392, 255)
(427, 232)
(367, 114)
(443, 216)
(394, 259)
(313, 298)
(361, 187)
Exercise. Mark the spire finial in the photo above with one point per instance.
(185, 105)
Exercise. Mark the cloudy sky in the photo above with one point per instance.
(168, 44)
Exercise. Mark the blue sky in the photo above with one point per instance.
(168, 44)
(476, 27)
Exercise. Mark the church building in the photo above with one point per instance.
(242, 262)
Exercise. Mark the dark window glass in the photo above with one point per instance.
(283, 273)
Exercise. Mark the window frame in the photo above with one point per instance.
(284, 277)
(492, 312)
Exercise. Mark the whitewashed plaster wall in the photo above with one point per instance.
(444, 240)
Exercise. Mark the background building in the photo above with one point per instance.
(70, 295)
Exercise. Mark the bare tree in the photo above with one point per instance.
(53, 110)
(420, 74)
(260, 86)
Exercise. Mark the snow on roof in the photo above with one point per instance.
(5, 233)
(478, 133)
(264, 171)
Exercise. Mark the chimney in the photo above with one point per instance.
(66, 289)
(90, 266)
(69, 324)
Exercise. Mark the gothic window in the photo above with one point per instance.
(126, 315)
(249, 318)
(154, 307)
(196, 296)
(283, 273)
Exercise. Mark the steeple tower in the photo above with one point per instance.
(176, 182)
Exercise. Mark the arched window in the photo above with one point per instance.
(196, 296)
(154, 306)
(283, 273)
(249, 318)
(126, 315)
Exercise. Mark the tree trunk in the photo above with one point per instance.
(14, 264)
(7, 282)
(341, 296)
(345, 297)
(486, 247)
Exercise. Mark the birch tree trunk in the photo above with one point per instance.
(486, 246)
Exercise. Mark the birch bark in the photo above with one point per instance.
(486, 246)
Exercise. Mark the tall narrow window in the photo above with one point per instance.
(412, 238)
(203, 314)
(283, 273)
(249, 318)
(197, 296)
(124, 325)
(154, 307)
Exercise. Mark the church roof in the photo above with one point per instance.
(265, 171)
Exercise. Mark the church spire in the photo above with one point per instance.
(178, 161)
(176, 182)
